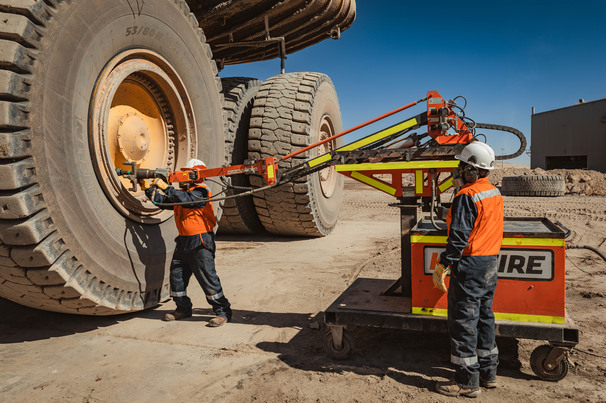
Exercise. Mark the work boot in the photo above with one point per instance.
(176, 315)
(488, 384)
(452, 388)
(217, 321)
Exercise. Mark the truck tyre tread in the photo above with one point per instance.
(239, 215)
(284, 105)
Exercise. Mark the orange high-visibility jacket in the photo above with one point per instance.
(487, 233)
(193, 221)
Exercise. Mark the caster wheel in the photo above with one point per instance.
(537, 363)
(347, 346)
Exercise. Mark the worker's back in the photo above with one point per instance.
(487, 234)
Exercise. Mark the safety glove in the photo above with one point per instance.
(145, 184)
(160, 183)
(439, 275)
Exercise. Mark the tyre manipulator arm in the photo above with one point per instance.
(266, 167)
(395, 143)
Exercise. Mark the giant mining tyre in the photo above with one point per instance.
(533, 185)
(239, 214)
(290, 112)
(84, 87)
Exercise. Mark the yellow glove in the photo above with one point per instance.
(160, 183)
(145, 184)
(439, 275)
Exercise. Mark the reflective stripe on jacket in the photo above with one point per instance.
(193, 221)
(486, 234)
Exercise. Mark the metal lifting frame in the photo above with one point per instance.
(391, 152)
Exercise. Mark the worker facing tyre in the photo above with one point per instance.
(195, 246)
(475, 233)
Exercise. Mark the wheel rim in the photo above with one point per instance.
(140, 112)
(328, 176)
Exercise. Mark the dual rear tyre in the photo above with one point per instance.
(274, 119)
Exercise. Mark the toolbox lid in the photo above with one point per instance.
(536, 227)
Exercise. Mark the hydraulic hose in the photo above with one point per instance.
(591, 248)
(508, 129)
(433, 200)
(215, 199)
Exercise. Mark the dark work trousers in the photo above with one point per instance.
(196, 255)
(471, 321)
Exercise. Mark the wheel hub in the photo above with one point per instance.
(138, 105)
(133, 137)
(328, 176)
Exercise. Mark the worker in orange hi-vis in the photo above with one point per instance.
(195, 249)
(475, 233)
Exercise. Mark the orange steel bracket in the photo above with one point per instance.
(267, 167)
(441, 117)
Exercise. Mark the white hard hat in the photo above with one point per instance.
(477, 154)
(194, 163)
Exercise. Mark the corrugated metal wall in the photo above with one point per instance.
(570, 137)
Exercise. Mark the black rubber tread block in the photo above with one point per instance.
(42, 276)
(43, 254)
(28, 231)
(21, 204)
(13, 87)
(11, 273)
(13, 116)
(35, 10)
(19, 29)
(60, 292)
(15, 57)
(18, 174)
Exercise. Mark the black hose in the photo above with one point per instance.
(433, 200)
(591, 248)
(508, 129)
(215, 199)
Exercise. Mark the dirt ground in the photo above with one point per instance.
(273, 349)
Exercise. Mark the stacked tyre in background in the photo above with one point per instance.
(533, 185)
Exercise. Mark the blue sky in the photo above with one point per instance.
(504, 58)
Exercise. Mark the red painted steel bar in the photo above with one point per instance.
(309, 147)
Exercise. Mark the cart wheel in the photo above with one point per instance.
(537, 361)
(347, 345)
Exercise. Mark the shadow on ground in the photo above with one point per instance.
(409, 357)
(20, 323)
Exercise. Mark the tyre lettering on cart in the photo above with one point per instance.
(514, 264)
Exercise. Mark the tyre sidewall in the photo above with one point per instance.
(326, 103)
